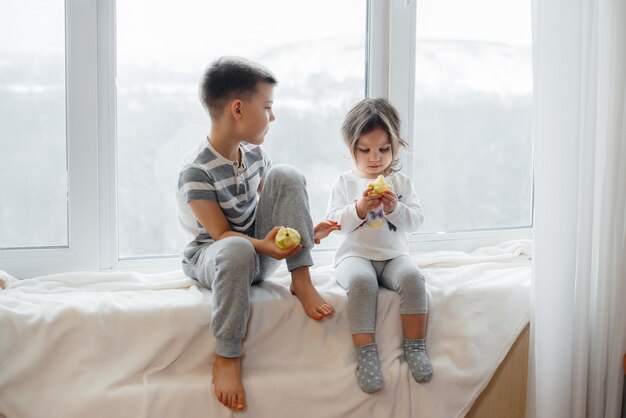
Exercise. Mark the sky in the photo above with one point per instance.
(31, 26)
(154, 27)
(506, 21)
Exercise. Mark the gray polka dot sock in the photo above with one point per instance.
(368, 372)
(417, 359)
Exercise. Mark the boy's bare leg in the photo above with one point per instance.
(227, 383)
(302, 287)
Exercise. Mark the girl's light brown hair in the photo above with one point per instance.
(368, 115)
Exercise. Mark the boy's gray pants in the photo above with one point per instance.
(229, 266)
(361, 276)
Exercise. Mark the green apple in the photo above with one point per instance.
(287, 238)
(379, 185)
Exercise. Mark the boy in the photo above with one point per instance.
(234, 228)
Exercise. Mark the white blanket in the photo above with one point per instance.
(136, 345)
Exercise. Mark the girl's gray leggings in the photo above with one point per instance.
(361, 277)
(231, 265)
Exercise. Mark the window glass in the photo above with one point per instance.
(317, 55)
(472, 151)
(33, 163)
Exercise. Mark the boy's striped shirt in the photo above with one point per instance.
(210, 176)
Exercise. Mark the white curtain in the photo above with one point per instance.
(578, 325)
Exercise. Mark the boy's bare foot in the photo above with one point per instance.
(302, 287)
(227, 383)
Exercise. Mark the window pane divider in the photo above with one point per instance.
(107, 138)
(402, 72)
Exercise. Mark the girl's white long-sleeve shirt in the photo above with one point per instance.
(378, 236)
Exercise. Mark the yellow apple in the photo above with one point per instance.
(379, 185)
(287, 238)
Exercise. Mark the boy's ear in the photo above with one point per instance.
(235, 109)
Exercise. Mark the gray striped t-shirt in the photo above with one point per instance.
(210, 176)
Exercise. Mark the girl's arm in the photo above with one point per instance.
(408, 215)
(323, 229)
(342, 209)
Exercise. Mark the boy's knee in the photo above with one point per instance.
(237, 252)
(284, 175)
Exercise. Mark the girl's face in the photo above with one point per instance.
(373, 153)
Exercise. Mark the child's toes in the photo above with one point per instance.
(325, 310)
(316, 314)
(241, 402)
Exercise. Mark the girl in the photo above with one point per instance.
(375, 248)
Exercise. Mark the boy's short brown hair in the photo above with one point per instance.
(228, 78)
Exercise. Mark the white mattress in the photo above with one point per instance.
(136, 345)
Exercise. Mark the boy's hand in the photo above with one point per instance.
(367, 202)
(390, 201)
(323, 229)
(267, 246)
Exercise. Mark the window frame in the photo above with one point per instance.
(92, 143)
(81, 146)
(401, 64)
(107, 136)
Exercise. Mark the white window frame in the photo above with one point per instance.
(107, 154)
(81, 252)
(391, 75)
(92, 143)
(401, 92)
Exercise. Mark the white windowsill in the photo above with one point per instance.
(458, 241)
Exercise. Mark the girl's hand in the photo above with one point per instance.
(390, 201)
(267, 246)
(367, 202)
(323, 229)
